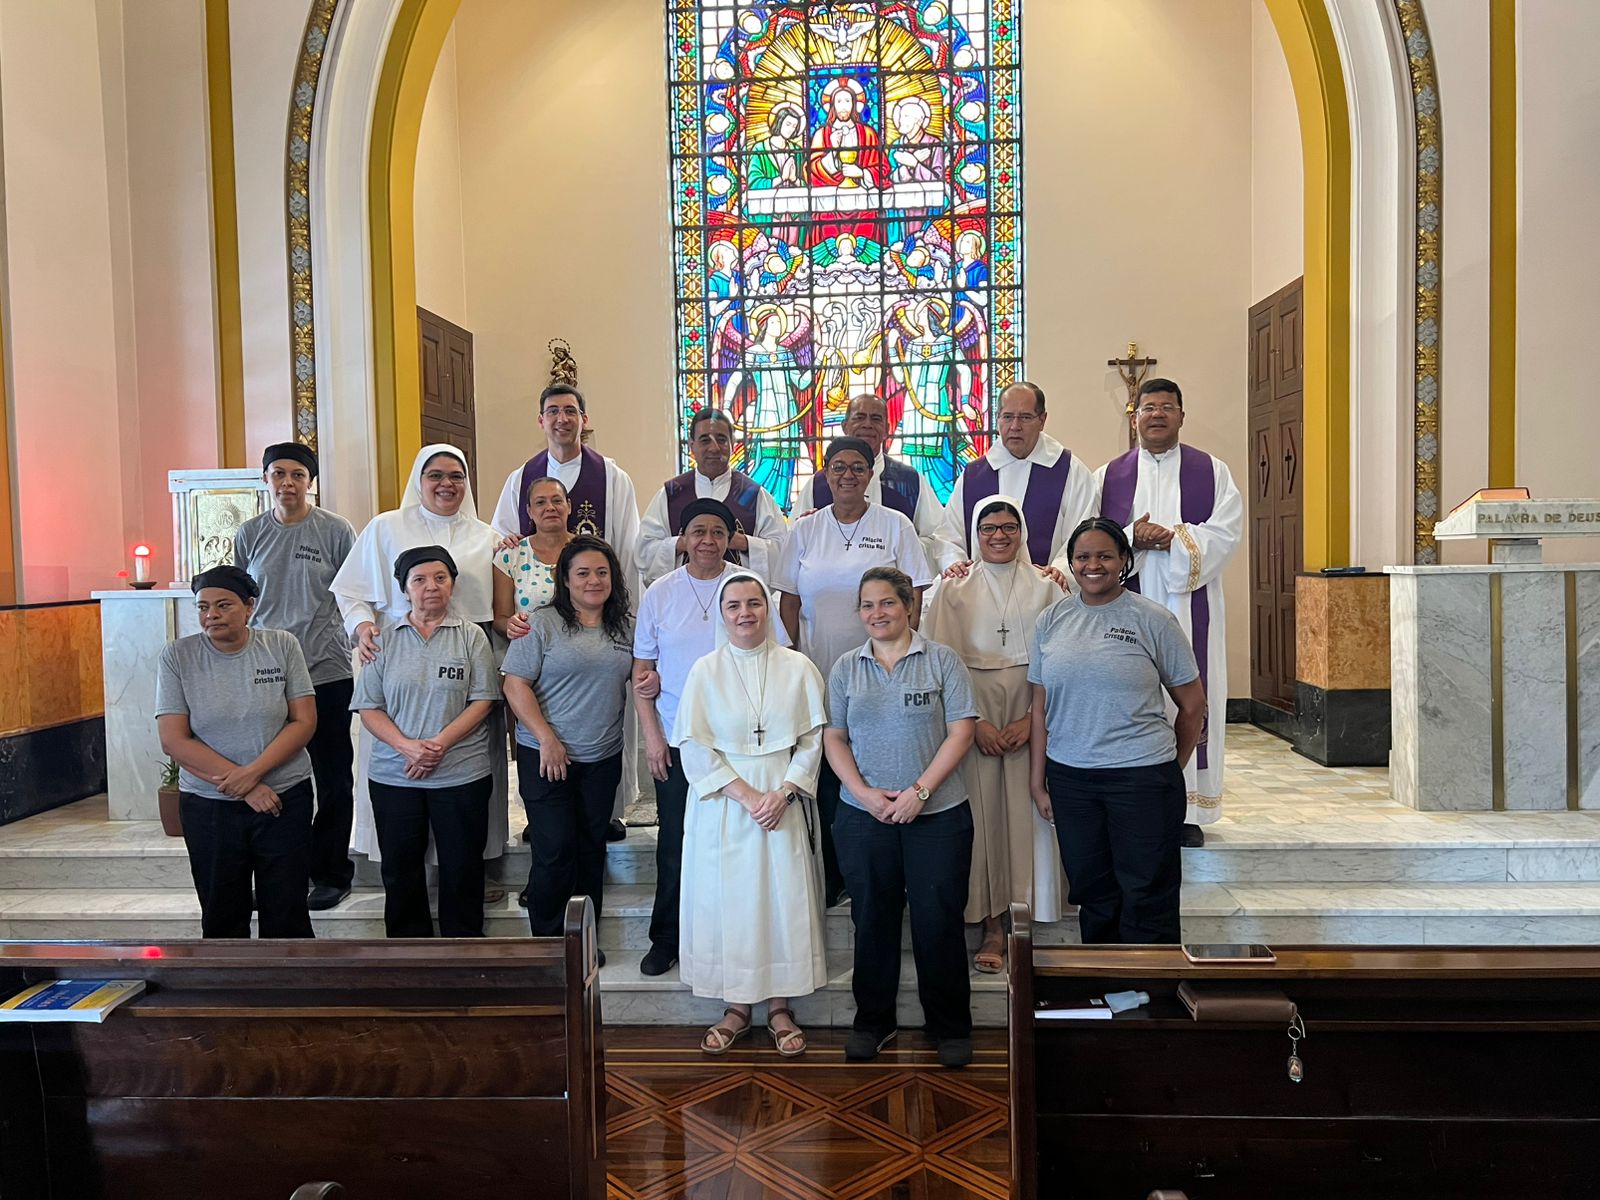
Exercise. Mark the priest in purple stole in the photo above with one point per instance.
(894, 484)
(1184, 516)
(1058, 491)
(759, 526)
(603, 504)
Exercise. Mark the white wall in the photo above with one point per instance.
(265, 35)
(441, 250)
(1558, 256)
(1277, 173)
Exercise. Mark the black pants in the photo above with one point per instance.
(568, 818)
(230, 843)
(332, 762)
(672, 794)
(1119, 832)
(885, 866)
(459, 819)
(828, 806)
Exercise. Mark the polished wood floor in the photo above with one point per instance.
(754, 1125)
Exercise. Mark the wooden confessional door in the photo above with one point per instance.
(449, 413)
(1276, 458)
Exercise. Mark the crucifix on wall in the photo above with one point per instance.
(1131, 369)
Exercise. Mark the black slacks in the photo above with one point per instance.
(1120, 833)
(568, 819)
(672, 796)
(459, 819)
(230, 844)
(925, 864)
(332, 765)
(828, 806)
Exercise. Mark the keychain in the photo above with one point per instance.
(1297, 1031)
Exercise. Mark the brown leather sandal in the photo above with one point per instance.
(720, 1038)
(789, 1043)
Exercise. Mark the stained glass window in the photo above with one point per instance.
(846, 188)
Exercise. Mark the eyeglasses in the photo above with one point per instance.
(1150, 410)
(1009, 529)
(444, 477)
(842, 469)
(1018, 418)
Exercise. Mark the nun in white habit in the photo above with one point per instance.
(437, 509)
(987, 618)
(749, 729)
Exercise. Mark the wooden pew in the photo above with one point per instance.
(414, 1069)
(1429, 1071)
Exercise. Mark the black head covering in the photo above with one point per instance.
(707, 506)
(859, 445)
(235, 580)
(422, 554)
(301, 454)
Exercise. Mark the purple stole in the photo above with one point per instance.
(1041, 504)
(741, 501)
(1197, 496)
(587, 496)
(900, 488)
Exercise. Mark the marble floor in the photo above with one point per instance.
(1301, 854)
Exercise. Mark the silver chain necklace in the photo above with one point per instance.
(760, 703)
(855, 527)
(705, 609)
(1004, 631)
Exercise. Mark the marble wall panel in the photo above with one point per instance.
(1588, 587)
(14, 694)
(1534, 689)
(1358, 632)
(133, 634)
(1452, 715)
(1311, 630)
(1404, 756)
(64, 680)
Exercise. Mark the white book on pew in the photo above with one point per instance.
(1093, 1009)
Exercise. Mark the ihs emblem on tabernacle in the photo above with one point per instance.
(586, 522)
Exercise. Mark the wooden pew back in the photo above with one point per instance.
(448, 1068)
(1429, 1071)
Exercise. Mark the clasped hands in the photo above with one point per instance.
(422, 755)
(244, 783)
(892, 808)
(997, 742)
(1147, 535)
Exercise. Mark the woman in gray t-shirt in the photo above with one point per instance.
(235, 708)
(1106, 764)
(567, 683)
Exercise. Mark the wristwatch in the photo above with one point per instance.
(922, 792)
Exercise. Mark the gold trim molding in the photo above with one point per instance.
(302, 107)
(1429, 173)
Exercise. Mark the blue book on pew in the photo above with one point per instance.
(70, 1000)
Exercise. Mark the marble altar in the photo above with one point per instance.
(134, 626)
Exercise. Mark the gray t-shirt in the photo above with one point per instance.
(896, 719)
(295, 565)
(1103, 668)
(424, 684)
(236, 703)
(580, 678)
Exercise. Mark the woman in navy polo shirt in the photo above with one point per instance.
(900, 720)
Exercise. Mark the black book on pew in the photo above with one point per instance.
(1091, 1009)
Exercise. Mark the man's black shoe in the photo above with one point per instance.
(324, 896)
(616, 831)
(863, 1045)
(955, 1052)
(1193, 837)
(658, 961)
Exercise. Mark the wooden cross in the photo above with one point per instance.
(1132, 369)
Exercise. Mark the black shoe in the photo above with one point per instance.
(863, 1045)
(1193, 837)
(616, 831)
(324, 896)
(522, 898)
(658, 961)
(600, 956)
(836, 898)
(527, 833)
(955, 1052)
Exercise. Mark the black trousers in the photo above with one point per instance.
(828, 805)
(672, 795)
(1119, 832)
(230, 844)
(459, 819)
(332, 765)
(925, 863)
(568, 818)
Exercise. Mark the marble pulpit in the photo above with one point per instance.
(1495, 673)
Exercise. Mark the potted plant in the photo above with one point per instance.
(167, 800)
